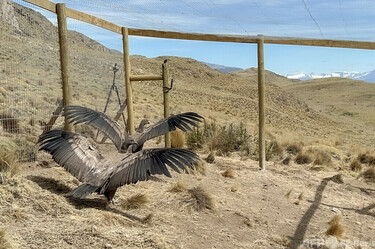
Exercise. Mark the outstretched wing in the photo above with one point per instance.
(73, 152)
(140, 165)
(183, 121)
(98, 120)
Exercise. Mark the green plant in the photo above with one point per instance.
(222, 139)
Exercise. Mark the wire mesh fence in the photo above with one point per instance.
(30, 85)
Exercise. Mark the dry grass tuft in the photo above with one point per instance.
(299, 199)
(281, 240)
(222, 139)
(287, 195)
(16, 213)
(369, 174)
(148, 219)
(322, 158)
(110, 219)
(234, 188)
(136, 201)
(178, 187)
(355, 165)
(200, 199)
(303, 158)
(293, 149)
(178, 139)
(199, 167)
(229, 173)
(9, 164)
(273, 150)
(336, 228)
(211, 157)
(9, 122)
(4, 242)
(287, 160)
(338, 179)
(365, 158)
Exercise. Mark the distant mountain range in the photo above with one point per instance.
(366, 76)
(222, 68)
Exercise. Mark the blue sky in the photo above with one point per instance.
(334, 19)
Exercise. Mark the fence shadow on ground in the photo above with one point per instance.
(300, 231)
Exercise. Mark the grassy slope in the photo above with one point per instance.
(348, 102)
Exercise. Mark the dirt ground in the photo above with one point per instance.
(251, 210)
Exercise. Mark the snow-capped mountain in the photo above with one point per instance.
(366, 76)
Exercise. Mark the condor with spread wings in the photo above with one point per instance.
(82, 160)
(121, 139)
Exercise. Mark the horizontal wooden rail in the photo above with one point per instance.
(145, 77)
(46, 4)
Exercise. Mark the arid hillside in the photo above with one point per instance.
(348, 102)
(318, 186)
(30, 66)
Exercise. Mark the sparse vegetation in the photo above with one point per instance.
(336, 227)
(211, 157)
(222, 139)
(355, 165)
(4, 242)
(322, 158)
(287, 160)
(199, 167)
(27, 202)
(136, 201)
(349, 114)
(200, 199)
(273, 150)
(293, 149)
(148, 219)
(9, 122)
(287, 195)
(365, 158)
(229, 173)
(299, 199)
(9, 163)
(303, 158)
(178, 187)
(234, 188)
(178, 139)
(338, 179)
(369, 174)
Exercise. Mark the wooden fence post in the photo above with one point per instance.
(128, 86)
(64, 58)
(166, 88)
(261, 86)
